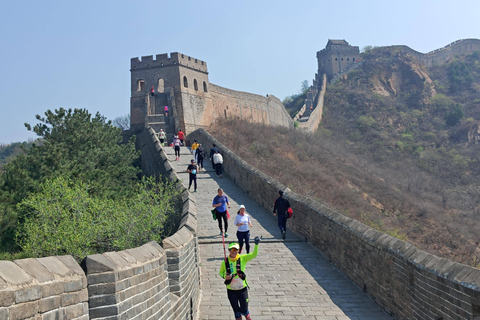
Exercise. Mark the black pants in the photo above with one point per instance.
(200, 161)
(220, 216)
(193, 178)
(282, 223)
(239, 301)
(244, 236)
(177, 151)
(218, 168)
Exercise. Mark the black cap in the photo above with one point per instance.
(280, 192)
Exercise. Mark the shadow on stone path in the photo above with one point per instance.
(289, 279)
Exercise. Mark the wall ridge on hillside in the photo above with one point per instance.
(404, 280)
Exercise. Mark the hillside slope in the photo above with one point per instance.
(397, 149)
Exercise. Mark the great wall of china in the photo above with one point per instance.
(162, 281)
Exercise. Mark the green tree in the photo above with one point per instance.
(75, 145)
(63, 218)
(454, 115)
(460, 76)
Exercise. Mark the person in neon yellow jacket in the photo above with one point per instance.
(236, 280)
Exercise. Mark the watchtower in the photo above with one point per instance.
(174, 79)
(337, 56)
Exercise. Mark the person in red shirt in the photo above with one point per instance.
(181, 135)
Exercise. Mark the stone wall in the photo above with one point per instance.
(148, 282)
(311, 125)
(407, 282)
(43, 288)
(254, 108)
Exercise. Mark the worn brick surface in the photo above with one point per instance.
(288, 280)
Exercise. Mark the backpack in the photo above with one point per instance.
(290, 213)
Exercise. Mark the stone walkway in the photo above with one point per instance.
(289, 279)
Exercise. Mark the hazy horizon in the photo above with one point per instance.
(77, 54)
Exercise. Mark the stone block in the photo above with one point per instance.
(74, 298)
(97, 263)
(13, 274)
(103, 312)
(52, 289)
(35, 269)
(72, 264)
(3, 313)
(58, 314)
(56, 266)
(102, 278)
(30, 293)
(74, 285)
(50, 303)
(118, 260)
(7, 298)
(103, 300)
(23, 310)
(74, 311)
(101, 289)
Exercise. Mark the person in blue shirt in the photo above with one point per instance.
(220, 203)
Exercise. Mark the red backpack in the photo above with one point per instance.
(290, 212)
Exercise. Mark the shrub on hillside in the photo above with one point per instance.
(75, 145)
(63, 218)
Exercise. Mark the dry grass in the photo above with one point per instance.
(398, 199)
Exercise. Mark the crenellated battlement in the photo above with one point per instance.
(164, 60)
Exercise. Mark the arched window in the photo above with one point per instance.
(140, 85)
(204, 86)
(185, 82)
(195, 84)
(336, 59)
(160, 86)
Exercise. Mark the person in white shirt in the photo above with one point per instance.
(218, 160)
(244, 223)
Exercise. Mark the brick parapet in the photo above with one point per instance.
(405, 281)
(43, 288)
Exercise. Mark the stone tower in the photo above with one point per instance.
(337, 56)
(175, 79)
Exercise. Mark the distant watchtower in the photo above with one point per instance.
(337, 56)
(174, 79)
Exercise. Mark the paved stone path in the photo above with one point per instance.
(289, 279)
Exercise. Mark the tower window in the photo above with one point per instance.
(160, 85)
(195, 84)
(204, 86)
(140, 85)
(185, 82)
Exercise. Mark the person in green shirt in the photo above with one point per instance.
(236, 280)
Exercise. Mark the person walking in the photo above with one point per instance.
(220, 203)
(165, 109)
(280, 209)
(232, 270)
(218, 160)
(194, 149)
(200, 155)
(176, 146)
(181, 136)
(162, 136)
(244, 223)
(192, 169)
(212, 152)
(152, 92)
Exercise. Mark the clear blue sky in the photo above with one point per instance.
(76, 54)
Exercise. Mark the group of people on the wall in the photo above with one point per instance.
(233, 267)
